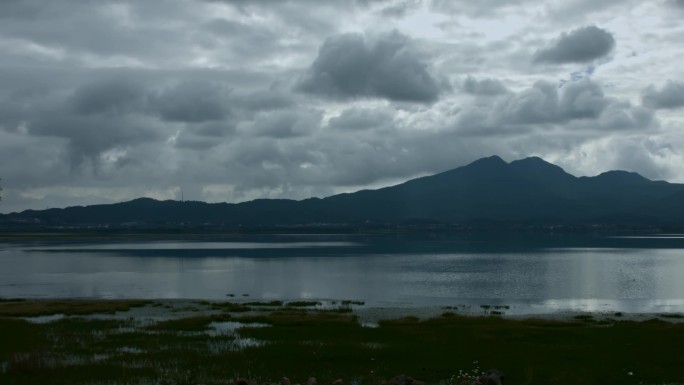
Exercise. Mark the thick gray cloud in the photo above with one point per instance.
(577, 105)
(486, 87)
(193, 102)
(242, 37)
(538, 104)
(235, 100)
(583, 99)
(625, 116)
(87, 121)
(579, 46)
(123, 32)
(671, 95)
(284, 124)
(89, 137)
(361, 119)
(267, 99)
(114, 96)
(352, 65)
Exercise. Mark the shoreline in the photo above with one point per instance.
(177, 308)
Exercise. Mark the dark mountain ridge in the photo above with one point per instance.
(529, 191)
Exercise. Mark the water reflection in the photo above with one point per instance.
(589, 274)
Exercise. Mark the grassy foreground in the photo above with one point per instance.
(300, 342)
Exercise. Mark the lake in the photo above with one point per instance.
(531, 273)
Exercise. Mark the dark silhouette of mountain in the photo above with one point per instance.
(529, 191)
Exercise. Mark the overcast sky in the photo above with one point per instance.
(106, 101)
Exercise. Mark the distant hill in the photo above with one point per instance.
(488, 191)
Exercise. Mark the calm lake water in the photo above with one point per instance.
(530, 273)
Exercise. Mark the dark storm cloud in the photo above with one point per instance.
(205, 134)
(18, 9)
(361, 119)
(270, 99)
(270, 161)
(85, 121)
(351, 65)
(485, 87)
(193, 102)
(89, 136)
(579, 46)
(202, 136)
(185, 96)
(669, 96)
(12, 114)
(249, 36)
(101, 120)
(213, 129)
(283, 124)
(108, 96)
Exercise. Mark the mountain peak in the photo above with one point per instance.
(535, 163)
(618, 176)
(493, 160)
(142, 200)
(540, 170)
(531, 160)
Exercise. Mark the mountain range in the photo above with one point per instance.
(529, 191)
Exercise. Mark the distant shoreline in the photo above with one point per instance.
(342, 230)
(173, 308)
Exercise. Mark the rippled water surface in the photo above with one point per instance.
(551, 272)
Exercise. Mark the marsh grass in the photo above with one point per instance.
(670, 315)
(195, 323)
(6, 300)
(230, 307)
(303, 303)
(265, 303)
(347, 302)
(304, 342)
(340, 309)
(66, 307)
(585, 318)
